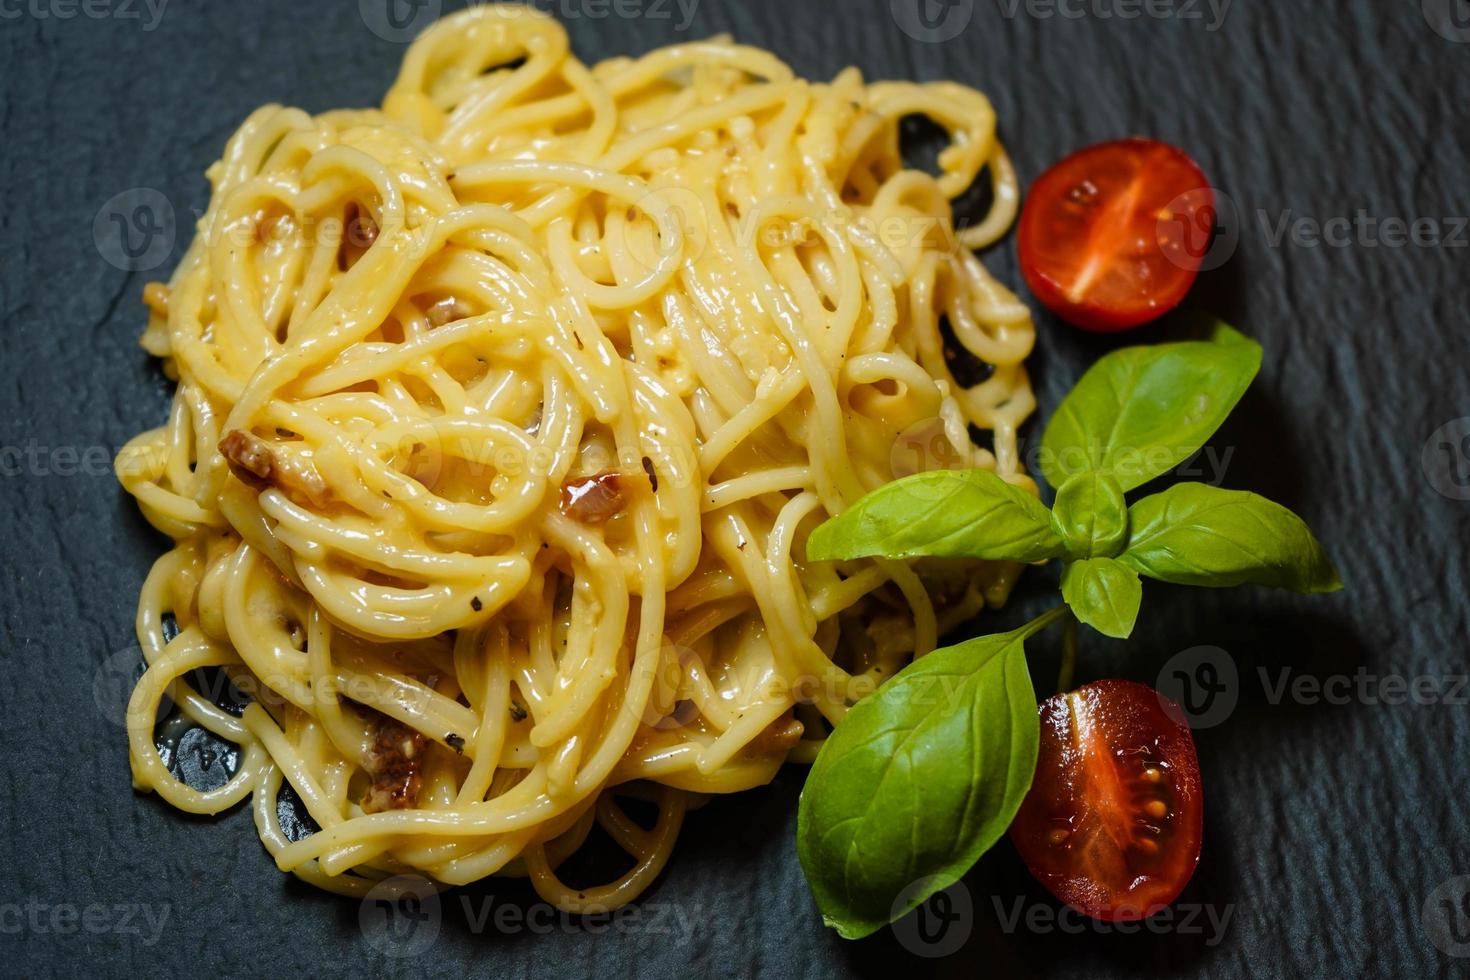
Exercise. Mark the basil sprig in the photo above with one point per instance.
(919, 780)
(923, 776)
(1136, 414)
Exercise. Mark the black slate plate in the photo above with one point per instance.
(1335, 825)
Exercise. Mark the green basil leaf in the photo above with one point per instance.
(1091, 515)
(945, 513)
(919, 779)
(1103, 593)
(1140, 411)
(1224, 334)
(1193, 534)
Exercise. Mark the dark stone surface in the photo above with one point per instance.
(1328, 826)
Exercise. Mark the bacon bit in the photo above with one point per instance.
(155, 297)
(359, 231)
(779, 736)
(396, 762)
(254, 464)
(594, 499)
(249, 457)
(447, 310)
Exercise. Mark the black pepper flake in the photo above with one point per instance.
(454, 742)
(517, 712)
(652, 474)
(476, 604)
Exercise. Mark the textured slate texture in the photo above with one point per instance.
(1328, 826)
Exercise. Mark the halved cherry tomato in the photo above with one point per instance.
(1113, 821)
(1114, 235)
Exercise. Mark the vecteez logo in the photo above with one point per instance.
(1210, 922)
(1204, 682)
(134, 230)
(400, 916)
(398, 20)
(1446, 917)
(1446, 459)
(113, 683)
(1199, 229)
(147, 12)
(1211, 13)
(932, 21)
(938, 927)
(38, 917)
(1450, 19)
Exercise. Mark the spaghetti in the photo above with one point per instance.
(503, 413)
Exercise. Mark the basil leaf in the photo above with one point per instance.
(946, 513)
(1091, 515)
(1103, 593)
(1193, 534)
(919, 779)
(1225, 335)
(1140, 411)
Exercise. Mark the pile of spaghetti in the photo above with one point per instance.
(503, 414)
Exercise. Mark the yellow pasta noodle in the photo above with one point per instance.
(503, 414)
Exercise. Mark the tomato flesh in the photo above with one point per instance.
(1114, 818)
(1114, 235)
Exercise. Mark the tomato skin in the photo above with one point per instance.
(1113, 821)
(1114, 235)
